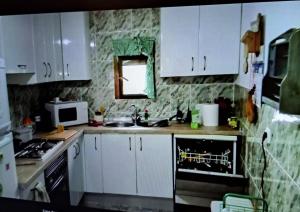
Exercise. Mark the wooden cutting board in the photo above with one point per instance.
(60, 136)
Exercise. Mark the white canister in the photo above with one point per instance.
(210, 114)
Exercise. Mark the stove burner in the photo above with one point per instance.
(36, 149)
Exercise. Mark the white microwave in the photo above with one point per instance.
(68, 113)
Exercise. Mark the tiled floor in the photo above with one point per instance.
(127, 203)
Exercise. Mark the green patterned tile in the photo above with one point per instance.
(122, 19)
(142, 18)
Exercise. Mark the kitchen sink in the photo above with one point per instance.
(152, 123)
(119, 124)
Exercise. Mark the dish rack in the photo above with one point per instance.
(241, 203)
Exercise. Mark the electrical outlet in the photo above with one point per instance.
(269, 135)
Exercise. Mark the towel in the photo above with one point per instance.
(40, 193)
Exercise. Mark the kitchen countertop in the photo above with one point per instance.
(28, 173)
(174, 128)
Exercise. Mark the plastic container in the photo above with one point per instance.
(23, 133)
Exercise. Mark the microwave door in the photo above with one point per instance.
(67, 116)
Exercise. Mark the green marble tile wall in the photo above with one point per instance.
(105, 26)
(282, 176)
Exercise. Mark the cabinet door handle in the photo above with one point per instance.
(50, 73)
(68, 73)
(23, 67)
(129, 143)
(78, 149)
(141, 144)
(192, 63)
(46, 68)
(75, 152)
(96, 144)
(204, 66)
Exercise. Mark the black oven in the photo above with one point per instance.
(56, 181)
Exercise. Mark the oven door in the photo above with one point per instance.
(59, 192)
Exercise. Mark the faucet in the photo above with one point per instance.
(135, 115)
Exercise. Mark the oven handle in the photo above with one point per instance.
(58, 181)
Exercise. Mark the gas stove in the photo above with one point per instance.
(37, 149)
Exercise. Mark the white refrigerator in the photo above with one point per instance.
(8, 176)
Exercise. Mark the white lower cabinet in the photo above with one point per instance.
(93, 163)
(119, 164)
(27, 193)
(137, 164)
(75, 169)
(154, 165)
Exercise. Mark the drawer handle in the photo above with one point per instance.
(129, 143)
(141, 144)
(204, 67)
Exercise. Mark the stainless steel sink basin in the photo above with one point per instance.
(119, 124)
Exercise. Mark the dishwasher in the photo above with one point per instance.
(206, 168)
(56, 181)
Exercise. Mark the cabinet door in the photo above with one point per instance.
(219, 39)
(40, 47)
(75, 40)
(27, 193)
(93, 163)
(17, 41)
(75, 168)
(48, 53)
(80, 165)
(154, 165)
(53, 43)
(119, 168)
(179, 41)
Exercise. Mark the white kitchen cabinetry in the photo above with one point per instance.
(75, 169)
(27, 193)
(47, 42)
(219, 39)
(208, 35)
(154, 165)
(93, 163)
(17, 43)
(137, 164)
(119, 167)
(179, 41)
(75, 43)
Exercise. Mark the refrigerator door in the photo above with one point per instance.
(8, 174)
(5, 124)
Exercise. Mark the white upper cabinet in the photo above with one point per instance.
(219, 39)
(179, 41)
(17, 41)
(76, 41)
(47, 42)
(208, 35)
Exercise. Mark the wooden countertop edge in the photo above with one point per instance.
(38, 168)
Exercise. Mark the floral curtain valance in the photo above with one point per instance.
(139, 46)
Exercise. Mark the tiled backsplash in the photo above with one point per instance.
(105, 26)
(282, 176)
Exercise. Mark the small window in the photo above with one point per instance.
(130, 77)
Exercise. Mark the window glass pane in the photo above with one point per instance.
(134, 79)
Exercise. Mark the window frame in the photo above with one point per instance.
(118, 76)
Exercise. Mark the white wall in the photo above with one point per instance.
(279, 17)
